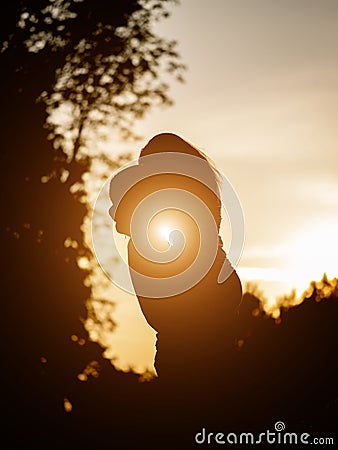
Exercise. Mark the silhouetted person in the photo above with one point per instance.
(174, 191)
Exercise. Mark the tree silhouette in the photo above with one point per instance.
(287, 366)
(104, 63)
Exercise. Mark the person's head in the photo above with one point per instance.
(126, 189)
(172, 143)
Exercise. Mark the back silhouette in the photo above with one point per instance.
(195, 326)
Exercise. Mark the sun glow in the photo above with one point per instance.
(303, 258)
(162, 226)
(165, 231)
(315, 251)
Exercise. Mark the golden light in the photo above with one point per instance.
(165, 233)
(314, 251)
(173, 247)
(162, 225)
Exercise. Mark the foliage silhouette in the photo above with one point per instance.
(294, 374)
(45, 346)
(103, 63)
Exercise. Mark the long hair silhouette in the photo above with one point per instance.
(173, 200)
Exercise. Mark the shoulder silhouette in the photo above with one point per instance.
(174, 190)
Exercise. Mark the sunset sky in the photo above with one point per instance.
(261, 99)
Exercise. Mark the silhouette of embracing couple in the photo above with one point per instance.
(169, 205)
